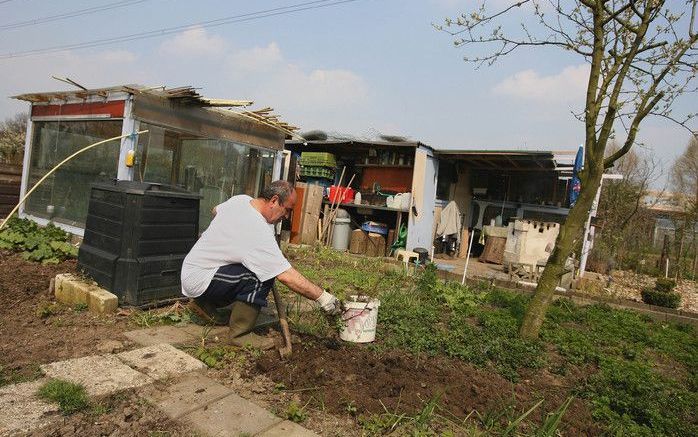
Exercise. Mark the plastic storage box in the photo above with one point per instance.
(136, 237)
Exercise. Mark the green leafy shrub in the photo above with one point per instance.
(664, 284)
(661, 298)
(70, 397)
(48, 244)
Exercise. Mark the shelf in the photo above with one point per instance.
(376, 207)
(384, 166)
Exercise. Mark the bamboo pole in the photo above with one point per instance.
(333, 214)
(326, 224)
(50, 172)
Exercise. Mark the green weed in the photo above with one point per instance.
(70, 397)
(48, 309)
(48, 244)
(80, 307)
(216, 357)
(295, 412)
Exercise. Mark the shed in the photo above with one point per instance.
(192, 142)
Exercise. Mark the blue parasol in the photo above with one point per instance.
(575, 185)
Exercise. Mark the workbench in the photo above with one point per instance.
(358, 208)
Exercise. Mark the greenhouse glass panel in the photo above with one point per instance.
(63, 197)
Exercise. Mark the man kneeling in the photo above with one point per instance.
(237, 259)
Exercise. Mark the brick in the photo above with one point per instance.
(71, 290)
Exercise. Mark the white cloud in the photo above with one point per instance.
(194, 42)
(567, 86)
(93, 70)
(257, 59)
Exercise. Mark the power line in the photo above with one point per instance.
(71, 14)
(298, 7)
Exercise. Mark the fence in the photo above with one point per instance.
(10, 178)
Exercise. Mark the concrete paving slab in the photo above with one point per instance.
(199, 331)
(22, 411)
(191, 393)
(99, 374)
(231, 416)
(287, 429)
(161, 361)
(160, 334)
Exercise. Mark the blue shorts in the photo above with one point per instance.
(236, 282)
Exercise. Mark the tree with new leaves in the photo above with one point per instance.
(684, 183)
(642, 59)
(12, 132)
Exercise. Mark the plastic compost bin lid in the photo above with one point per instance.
(147, 188)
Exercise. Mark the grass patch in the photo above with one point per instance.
(70, 397)
(642, 375)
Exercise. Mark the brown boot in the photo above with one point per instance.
(243, 317)
(206, 312)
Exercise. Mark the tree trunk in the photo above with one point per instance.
(570, 232)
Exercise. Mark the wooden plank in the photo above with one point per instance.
(494, 250)
(312, 203)
(297, 217)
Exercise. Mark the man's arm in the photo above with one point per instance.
(293, 279)
(298, 283)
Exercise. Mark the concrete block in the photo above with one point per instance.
(22, 411)
(161, 361)
(287, 429)
(99, 374)
(160, 334)
(71, 290)
(191, 393)
(199, 331)
(231, 416)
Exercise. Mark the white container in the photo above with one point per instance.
(405, 199)
(341, 234)
(357, 198)
(360, 320)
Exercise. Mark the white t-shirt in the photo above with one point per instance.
(238, 234)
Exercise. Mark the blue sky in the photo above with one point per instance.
(364, 67)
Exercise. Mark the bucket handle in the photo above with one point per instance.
(360, 313)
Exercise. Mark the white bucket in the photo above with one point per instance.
(360, 320)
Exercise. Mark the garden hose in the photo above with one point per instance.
(50, 172)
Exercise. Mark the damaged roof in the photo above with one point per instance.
(539, 160)
(184, 96)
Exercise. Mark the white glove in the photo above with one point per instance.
(329, 303)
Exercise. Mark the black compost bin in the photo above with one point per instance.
(136, 237)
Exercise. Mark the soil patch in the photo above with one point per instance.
(123, 414)
(341, 375)
(37, 330)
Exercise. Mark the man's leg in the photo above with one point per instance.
(247, 294)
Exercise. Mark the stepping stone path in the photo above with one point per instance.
(164, 375)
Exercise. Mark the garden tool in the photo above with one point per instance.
(286, 349)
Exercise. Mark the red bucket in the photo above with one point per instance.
(347, 194)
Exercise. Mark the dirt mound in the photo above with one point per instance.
(343, 375)
(36, 329)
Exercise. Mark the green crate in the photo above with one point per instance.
(321, 172)
(318, 159)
